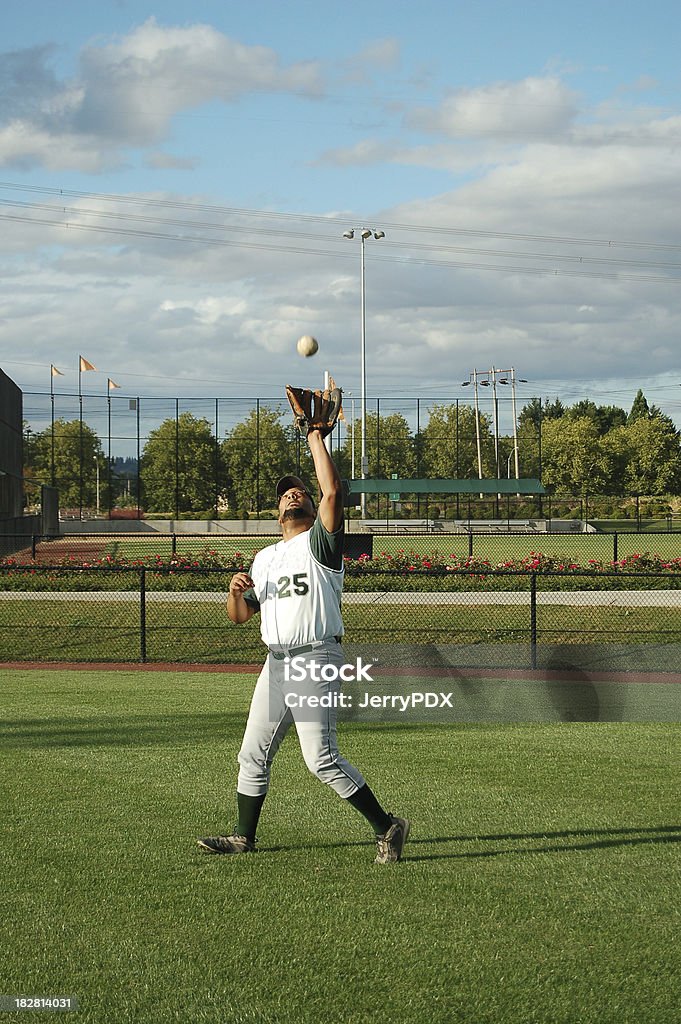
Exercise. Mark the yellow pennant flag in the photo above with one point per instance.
(55, 372)
(85, 365)
(112, 384)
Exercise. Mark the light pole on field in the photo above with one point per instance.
(473, 379)
(363, 234)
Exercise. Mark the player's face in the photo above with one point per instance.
(295, 504)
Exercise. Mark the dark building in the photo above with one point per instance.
(11, 449)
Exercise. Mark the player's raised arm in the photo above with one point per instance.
(315, 414)
(331, 503)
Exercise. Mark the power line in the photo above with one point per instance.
(321, 219)
(420, 246)
(339, 254)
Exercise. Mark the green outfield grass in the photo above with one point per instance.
(177, 631)
(541, 883)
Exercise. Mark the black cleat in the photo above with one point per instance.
(390, 845)
(226, 844)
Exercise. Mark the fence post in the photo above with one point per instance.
(470, 543)
(34, 540)
(143, 615)
(533, 620)
(174, 544)
(614, 546)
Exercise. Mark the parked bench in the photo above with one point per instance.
(401, 525)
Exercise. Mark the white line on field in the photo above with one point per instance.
(612, 598)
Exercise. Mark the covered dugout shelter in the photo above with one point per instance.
(394, 488)
(525, 486)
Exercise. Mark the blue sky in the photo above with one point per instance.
(178, 178)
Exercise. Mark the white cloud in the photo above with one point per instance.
(525, 109)
(364, 153)
(24, 145)
(380, 55)
(207, 310)
(591, 174)
(127, 92)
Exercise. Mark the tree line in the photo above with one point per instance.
(583, 449)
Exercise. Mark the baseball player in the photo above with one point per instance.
(296, 587)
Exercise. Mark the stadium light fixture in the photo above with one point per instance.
(473, 379)
(364, 234)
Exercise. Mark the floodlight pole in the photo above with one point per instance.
(496, 376)
(501, 377)
(364, 233)
(473, 379)
(495, 407)
(363, 460)
(515, 424)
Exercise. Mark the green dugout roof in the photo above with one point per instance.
(424, 486)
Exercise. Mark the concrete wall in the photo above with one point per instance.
(270, 527)
(210, 527)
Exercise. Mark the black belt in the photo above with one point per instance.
(291, 652)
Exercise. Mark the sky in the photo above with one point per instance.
(175, 181)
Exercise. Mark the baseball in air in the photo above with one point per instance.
(307, 345)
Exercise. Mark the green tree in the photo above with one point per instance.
(531, 420)
(449, 444)
(257, 452)
(178, 467)
(639, 409)
(574, 458)
(654, 460)
(606, 417)
(536, 411)
(390, 447)
(77, 456)
(615, 447)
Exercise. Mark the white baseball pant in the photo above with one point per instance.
(270, 718)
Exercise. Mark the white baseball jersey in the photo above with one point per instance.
(298, 586)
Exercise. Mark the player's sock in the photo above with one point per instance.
(249, 808)
(366, 803)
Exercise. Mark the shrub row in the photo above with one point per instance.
(403, 572)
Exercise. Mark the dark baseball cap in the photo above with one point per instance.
(287, 482)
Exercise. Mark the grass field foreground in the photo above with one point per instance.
(542, 882)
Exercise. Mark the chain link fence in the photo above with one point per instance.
(496, 546)
(617, 621)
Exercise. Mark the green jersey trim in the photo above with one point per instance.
(327, 548)
(250, 596)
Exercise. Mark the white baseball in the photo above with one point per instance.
(307, 345)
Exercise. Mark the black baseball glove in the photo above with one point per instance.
(315, 410)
